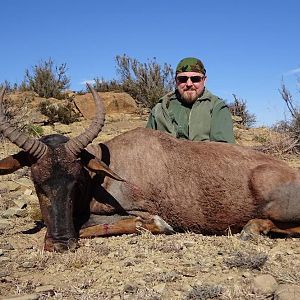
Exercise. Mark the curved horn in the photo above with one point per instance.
(33, 146)
(77, 144)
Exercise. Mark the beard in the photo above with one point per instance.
(190, 96)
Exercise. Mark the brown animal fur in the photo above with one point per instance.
(198, 186)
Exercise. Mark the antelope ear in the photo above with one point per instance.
(14, 162)
(97, 165)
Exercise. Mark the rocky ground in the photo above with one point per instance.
(143, 266)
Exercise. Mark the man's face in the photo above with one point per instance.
(190, 85)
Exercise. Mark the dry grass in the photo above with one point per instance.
(278, 144)
(144, 266)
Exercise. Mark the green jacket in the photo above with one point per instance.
(208, 119)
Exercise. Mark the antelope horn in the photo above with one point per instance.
(32, 146)
(77, 144)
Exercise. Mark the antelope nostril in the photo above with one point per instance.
(70, 245)
(61, 246)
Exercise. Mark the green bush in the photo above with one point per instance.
(145, 82)
(63, 113)
(102, 85)
(47, 79)
(35, 130)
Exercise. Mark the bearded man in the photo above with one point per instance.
(191, 111)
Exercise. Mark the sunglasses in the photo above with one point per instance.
(194, 79)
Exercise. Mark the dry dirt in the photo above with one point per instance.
(143, 266)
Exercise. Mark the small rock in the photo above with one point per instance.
(130, 288)
(189, 244)
(32, 198)
(205, 270)
(297, 250)
(246, 274)
(1, 252)
(28, 192)
(287, 292)
(4, 260)
(7, 246)
(188, 272)
(14, 211)
(159, 288)
(20, 203)
(24, 181)
(265, 284)
(129, 263)
(4, 224)
(24, 297)
(28, 265)
(9, 185)
(45, 289)
(3, 273)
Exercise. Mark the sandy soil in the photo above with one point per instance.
(142, 266)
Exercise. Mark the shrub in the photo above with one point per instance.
(63, 113)
(35, 130)
(8, 86)
(293, 125)
(102, 85)
(47, 79)
(145, 82)
(289, 129)
(205, 291)
(246, 260)
(238, 108)
(17, 112)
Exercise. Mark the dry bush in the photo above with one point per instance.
(278, 143)
(292, 126)
(17, 112)
(47, 79)
(246, 260)
(205, 291)
(63, 112)
(238, 109)
(9, 87)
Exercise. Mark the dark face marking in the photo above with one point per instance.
(61, 184)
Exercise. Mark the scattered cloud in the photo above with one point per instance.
(293, 71)
(84, 82)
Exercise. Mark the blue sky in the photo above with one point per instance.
(246, 46)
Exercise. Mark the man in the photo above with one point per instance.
(191, 111)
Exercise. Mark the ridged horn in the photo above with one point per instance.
(77, 144)
(31, 145)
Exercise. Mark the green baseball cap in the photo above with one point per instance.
(190, 64)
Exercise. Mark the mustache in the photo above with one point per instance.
(189, 89)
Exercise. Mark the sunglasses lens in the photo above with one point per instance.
(184, 79)
(196, 78)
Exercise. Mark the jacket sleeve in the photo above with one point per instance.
(151, 121)
(221, 124)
